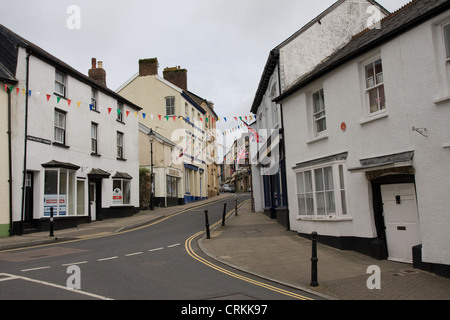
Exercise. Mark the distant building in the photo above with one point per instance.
(172, 112)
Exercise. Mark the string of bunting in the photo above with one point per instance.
(160, 117)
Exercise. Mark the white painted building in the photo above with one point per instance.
(367, 141)
(75, 146)
(286, 63)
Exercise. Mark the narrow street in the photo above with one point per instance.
(160, 261)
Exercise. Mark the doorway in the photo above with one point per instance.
(401, 220)
(29, 182)
(93, 200)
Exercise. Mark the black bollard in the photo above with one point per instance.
(51, 222)
(224, 213)
(207, 225)
(235, 206)
(314, 260)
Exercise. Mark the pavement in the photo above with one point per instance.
(258, 245)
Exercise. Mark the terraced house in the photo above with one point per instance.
(72, 150)
(173, 114)
(367, 141)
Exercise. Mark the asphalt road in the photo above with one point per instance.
(160, 261)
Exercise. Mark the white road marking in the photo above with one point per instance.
(109, 258)
(173, 245)
(155, 249)
(33, 269)
(74, 263)
(133, 254)
(14, 277)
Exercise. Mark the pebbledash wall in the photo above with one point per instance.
(412, 134)
(91, 184)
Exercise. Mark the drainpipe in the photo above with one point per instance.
(283, 148)
(11, 232)
(25, 141)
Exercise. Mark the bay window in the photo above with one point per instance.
(321, 191)
(121, 191)
(59, 192)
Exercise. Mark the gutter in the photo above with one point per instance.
(29, 51)
(10, 166)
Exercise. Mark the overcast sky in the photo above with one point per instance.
(224, 44)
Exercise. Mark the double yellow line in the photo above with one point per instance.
(190, 251)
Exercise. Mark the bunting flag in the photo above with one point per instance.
(191, 120)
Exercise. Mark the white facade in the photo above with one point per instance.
(60, 159)
(324, 35)
(398, 142)
(288, 63)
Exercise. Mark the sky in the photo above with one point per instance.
(224, 44)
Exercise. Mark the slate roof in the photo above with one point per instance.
(9, 45)
(409, 16)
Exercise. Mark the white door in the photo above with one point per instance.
(93, 200)
(401, 220)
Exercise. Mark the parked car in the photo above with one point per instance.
(228, 188)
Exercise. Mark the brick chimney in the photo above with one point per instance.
(176, 76)
(148, 67)
(98, 73)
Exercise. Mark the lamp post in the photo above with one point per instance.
(152, 175)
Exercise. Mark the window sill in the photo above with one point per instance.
(324, 218)
(61, 145)
(318, 138)
(95, 110)
(442, 100)
(121, 159)
(120, 121)
(95, 154)
(374, 118)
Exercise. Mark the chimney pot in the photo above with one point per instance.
(148, 67)
(176, 76)
(97, 74)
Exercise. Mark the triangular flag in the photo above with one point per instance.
(24, 91)
(68, 102)
(135, 114)
(159, 116)
(201, 119)
(206, 119)
(109, 110)
(167, 118)
(143, 114)
(58, 99)
(174, 117)
(48, 97)
(128, 112)
(91, 106)
(235, 118)
(225, 119)
(78, 104)
(6, 87)
(118, 112)
(29, 93)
